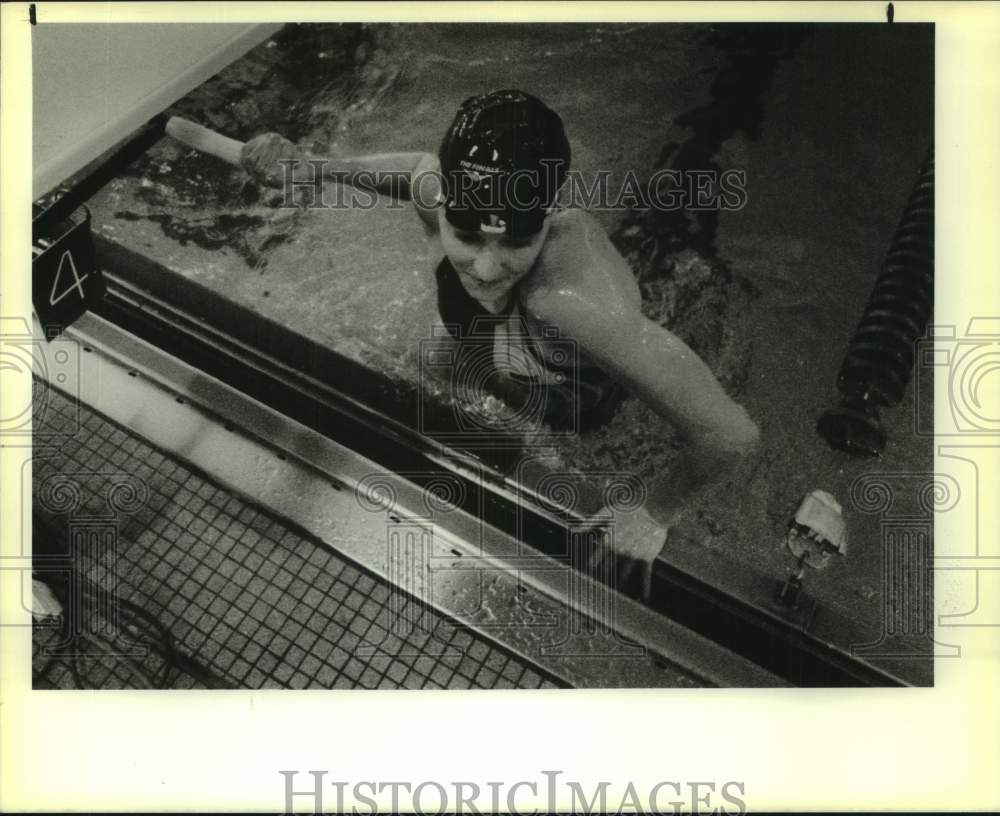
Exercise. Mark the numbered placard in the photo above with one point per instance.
(65, 278)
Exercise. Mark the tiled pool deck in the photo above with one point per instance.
(248, 600)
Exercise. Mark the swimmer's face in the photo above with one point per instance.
(489, 265)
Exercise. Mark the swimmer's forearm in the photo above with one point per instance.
(680, 485)
(387, 173)
(278, 162)
(669, 377)
(678, 385)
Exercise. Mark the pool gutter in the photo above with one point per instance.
(334, 396)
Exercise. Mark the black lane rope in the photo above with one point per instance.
(879, 359)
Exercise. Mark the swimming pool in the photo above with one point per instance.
(768, 294)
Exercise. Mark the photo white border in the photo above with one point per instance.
(795, 750)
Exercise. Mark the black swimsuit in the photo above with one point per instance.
(576, 389)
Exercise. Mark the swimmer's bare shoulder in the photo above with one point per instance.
(583, 286)
(579, 261)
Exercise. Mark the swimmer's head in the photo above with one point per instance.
(502, 163)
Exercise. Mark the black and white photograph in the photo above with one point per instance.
(513, 355)
(384, 355)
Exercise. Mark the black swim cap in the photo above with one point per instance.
(502, 161)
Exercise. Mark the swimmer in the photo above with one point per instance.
(488, 200)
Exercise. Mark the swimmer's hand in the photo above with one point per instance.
(262, 157)
(639, 536)
(635, 540)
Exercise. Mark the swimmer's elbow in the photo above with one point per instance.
(424, 189)
(748, 438)
(713, 455)
(738, 439)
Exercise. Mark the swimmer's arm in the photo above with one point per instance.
(387, 173)
(668, 376)
(401, 176)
